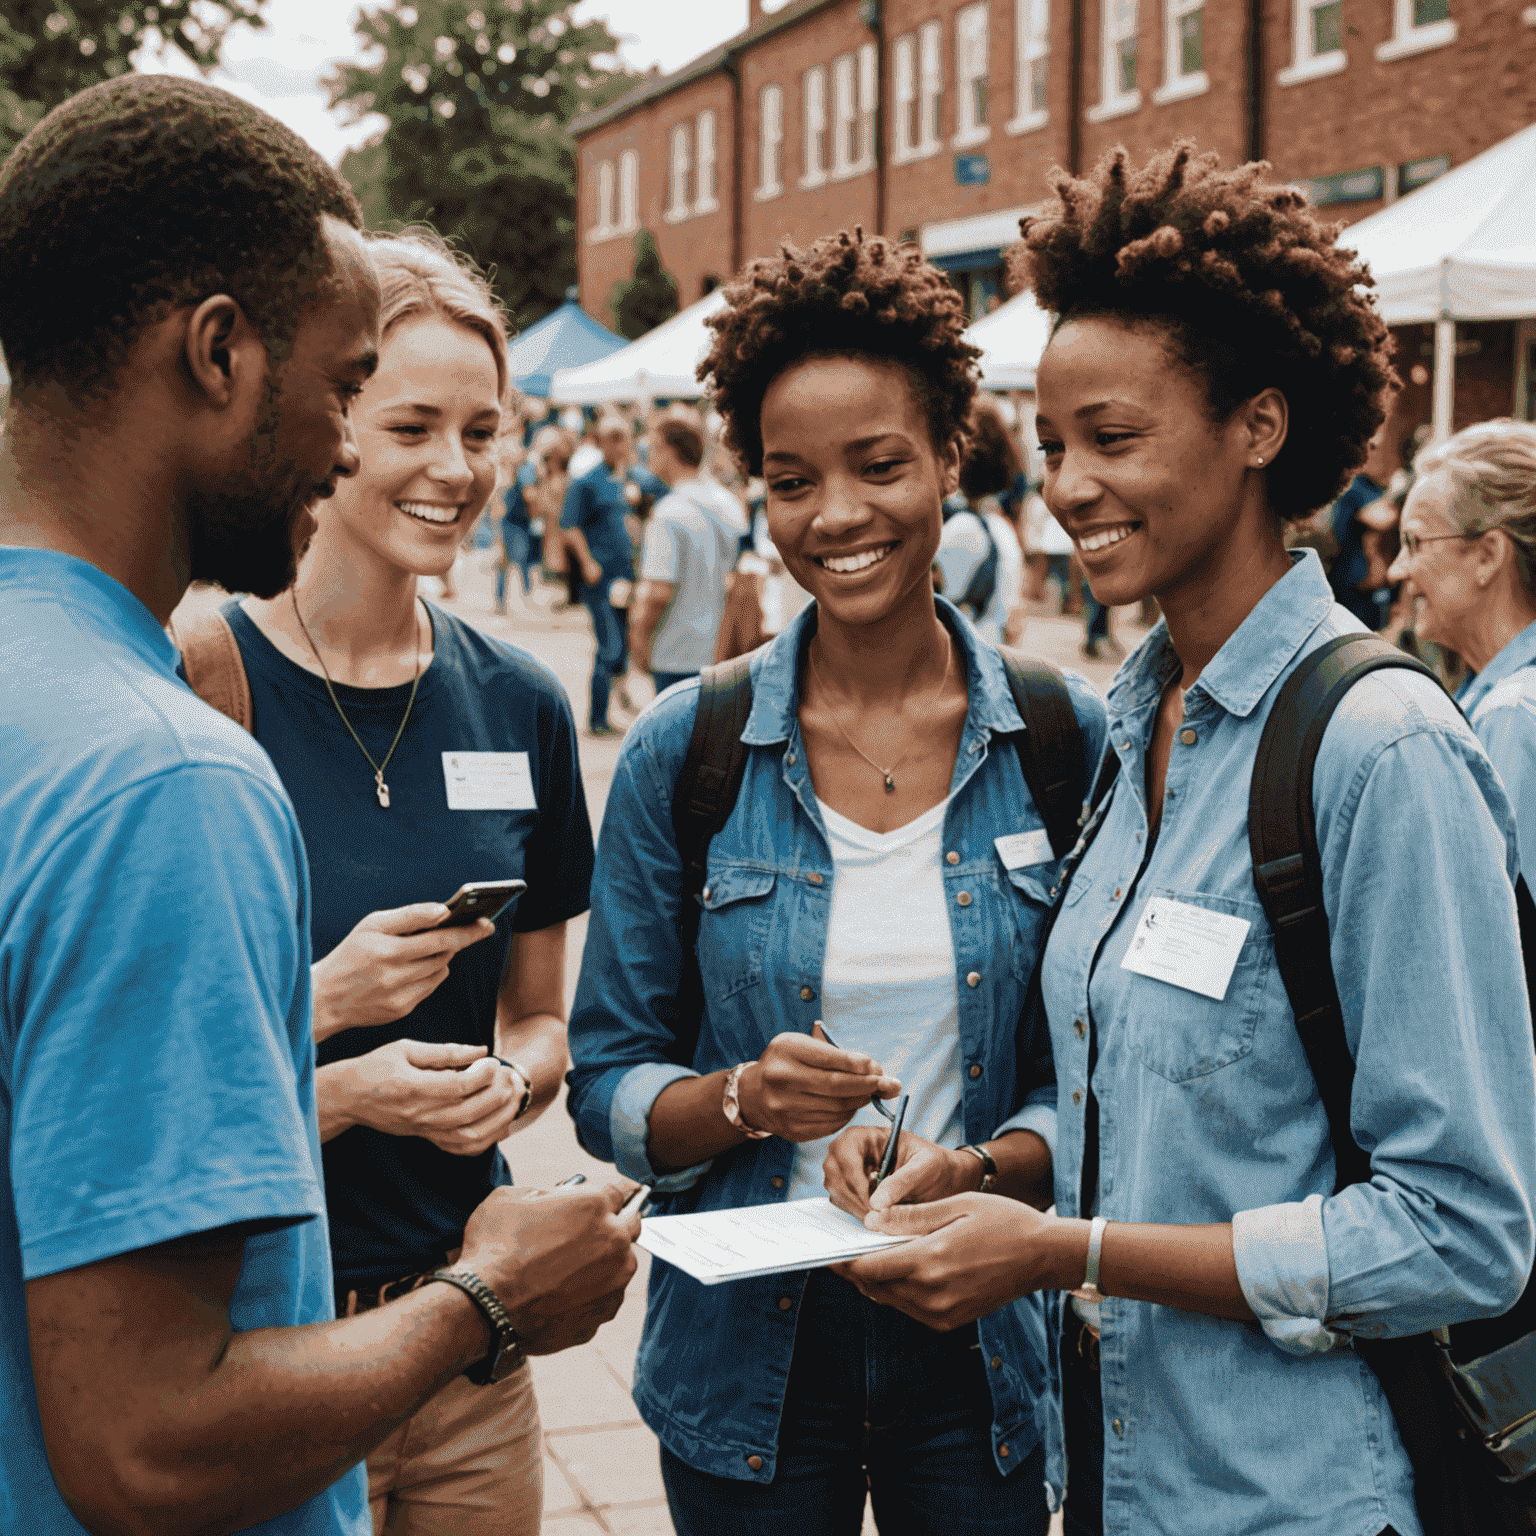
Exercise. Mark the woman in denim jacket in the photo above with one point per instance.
(1217, 369)
(884, 870)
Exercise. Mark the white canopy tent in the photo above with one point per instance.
(1462, 248)
(660, 363)
(1011, 339)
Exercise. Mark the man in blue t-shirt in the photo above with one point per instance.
(168, 1355)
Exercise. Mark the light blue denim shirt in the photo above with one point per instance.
(713, 1363)
(1208, 1111)
(1501, 704)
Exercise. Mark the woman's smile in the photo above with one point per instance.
(857, 562)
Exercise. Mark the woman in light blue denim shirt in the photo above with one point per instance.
(1217, 369)
(844, 378)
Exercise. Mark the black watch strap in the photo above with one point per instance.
(527, 1099)
(989, 1173)
(506, 1351)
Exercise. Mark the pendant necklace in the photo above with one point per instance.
(888, 774)
(380, 788)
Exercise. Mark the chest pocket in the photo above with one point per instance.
(733, 927)
(1029, 894)
(1180, 1034)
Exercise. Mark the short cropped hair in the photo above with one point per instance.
(1250, 287)
(1490, 470)
(681, 430)
(992, 459)
(843, 296)
(145, 193)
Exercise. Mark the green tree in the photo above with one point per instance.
(648, 296)
(478, 94)
(49, 49)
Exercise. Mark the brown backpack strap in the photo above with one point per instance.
(210, 655)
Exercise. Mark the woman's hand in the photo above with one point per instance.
(454, 1096)
(802, 1089)
(924, 1172)
(387, 965)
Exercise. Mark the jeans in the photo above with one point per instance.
(1098, 619)
(664, 680)
(876, 1403)
(608, 629)
(515, 539)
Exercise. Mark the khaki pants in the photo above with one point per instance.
(469, 1463)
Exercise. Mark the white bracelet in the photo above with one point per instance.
(1089, 1289)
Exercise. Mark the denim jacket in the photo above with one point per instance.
(1208, 1111)
(711, 1372)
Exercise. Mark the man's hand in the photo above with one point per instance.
(389, 963)
(801, 1088)
(559, 1260)
(591, 572)
(924, 1172)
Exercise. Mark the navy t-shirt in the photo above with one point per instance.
(398, 1203)
(594, 503)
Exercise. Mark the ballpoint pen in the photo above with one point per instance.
(888, 1157)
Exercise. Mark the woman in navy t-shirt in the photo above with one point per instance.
(421, 754)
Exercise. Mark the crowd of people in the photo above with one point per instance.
(262, 1262)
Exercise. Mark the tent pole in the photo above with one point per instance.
(1445, 379)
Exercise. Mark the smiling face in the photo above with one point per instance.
(426, 430)
(1156, 496)
(854, 485)
(1443, 568)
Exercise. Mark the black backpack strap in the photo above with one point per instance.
(1287, 869)
(1050, 747)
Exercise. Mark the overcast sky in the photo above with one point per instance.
(279, 67)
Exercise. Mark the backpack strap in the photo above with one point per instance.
(210, 656)
(983, 583)
(1050, 747)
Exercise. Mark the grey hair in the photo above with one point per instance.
(1491, 471)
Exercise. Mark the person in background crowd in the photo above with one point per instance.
(980, 564)
(594, 519)
(550, 451)
(857, 881)
(691, 542)
(1216, 370)
(516, 522)
(1351, 568)
(434, 1043)
(1469, 550)
(180, 399)
(586, 455)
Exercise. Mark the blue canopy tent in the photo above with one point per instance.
(567, 338)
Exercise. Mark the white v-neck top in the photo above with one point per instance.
(888, 981)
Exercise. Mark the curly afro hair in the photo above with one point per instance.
(844, 296)
(1250, 287)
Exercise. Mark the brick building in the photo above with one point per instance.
(939, 121)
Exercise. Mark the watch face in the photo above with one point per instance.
(509, 1359)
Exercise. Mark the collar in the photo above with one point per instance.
(1520, 652)
(776, 679)
(1255, 654)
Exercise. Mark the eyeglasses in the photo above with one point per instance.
(1413, 543)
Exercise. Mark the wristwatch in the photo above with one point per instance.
(731, 1103)
(989, 1173)
(527, 1099)
(506, 1352)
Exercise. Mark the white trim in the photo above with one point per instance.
(774, 188)
(1031, 43)
(970, 137)
(1313, 68)
(1031, 123)
(1177, 85)
(971, 53)
(1436, 34)
(1121, 106)
(1182, 89)
(605, 228)
(930, 89)
(629, 193)
(1114, 102)
(679, 172)
(813, 88)
(705, 201)
(975, 232)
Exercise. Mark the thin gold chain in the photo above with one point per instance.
(381, 789)
(886, 773)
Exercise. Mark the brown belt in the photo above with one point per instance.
(350, 1300)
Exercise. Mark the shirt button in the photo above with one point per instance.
(755, 1462)
(778, 1183)
(1118, 892)
(1080, 1027)
(1118, 1428)
(814, 878)
(974, 979)
(705, 893)
(785, 1303)
(806, 994)
(1002, 1450)
(789, 757)
(1189, 737)
(964, 898)
(975, 1072)
(1077, 1095)
(951, 857)
(997, 1362)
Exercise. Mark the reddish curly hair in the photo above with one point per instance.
(1250, 286)
(843, 296)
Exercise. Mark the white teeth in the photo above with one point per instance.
(846, 564)
(427, 512)
(1103, 539)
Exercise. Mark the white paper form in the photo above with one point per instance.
(1189, 946)
(757, 1240)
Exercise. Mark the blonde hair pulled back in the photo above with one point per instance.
(1490, 470)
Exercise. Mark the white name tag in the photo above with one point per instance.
(1186, 945)
(1023, 848)
(488, 781)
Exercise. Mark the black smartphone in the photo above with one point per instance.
(481, 898)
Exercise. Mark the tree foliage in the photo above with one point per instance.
(49, 49)
(648, 296)
(478, 95)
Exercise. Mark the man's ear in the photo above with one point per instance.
(225, 361)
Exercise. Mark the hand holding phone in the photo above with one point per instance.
(481, 898)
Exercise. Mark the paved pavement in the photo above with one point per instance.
(601, 1469)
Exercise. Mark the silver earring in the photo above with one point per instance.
(1261, 461)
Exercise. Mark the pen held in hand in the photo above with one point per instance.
(888, 1159)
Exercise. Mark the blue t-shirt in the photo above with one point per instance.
(1350, 564)
(156, 1066)
(398, 1203)
(514, 503)
(594, 503)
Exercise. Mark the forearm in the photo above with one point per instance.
(1023, 1168)
(688, 1124)
(326, 1021)
(536, 1045)
(644, 616)
(334, 1089)
(1192, 1268)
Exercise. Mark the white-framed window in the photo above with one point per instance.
(629, 192)
(1183, 51)
(931, 84)
(1031, 65)
(679, 164)
(971, 27)
(603, 227)
(770, 142)
(869, 104)
(813, 126)
(845, 115)
(906, 131)
(1317, 41)
(1418, 26)
(704, 198)
(1119, 60)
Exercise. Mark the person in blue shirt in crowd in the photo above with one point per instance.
(170, 1358)
(884, 871)
(433, 1045)
(1351, 564)
(1217, 369)
(517, 534)
(1468, 547)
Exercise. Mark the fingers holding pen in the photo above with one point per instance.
(802, 1087)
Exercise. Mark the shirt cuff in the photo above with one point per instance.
(1282, 1266)
(1039, 1118)
(629, 1123)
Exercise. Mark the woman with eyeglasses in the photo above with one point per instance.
(1469, 549)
